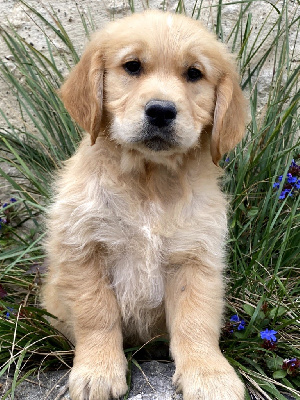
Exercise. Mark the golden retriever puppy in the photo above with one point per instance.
(137, 228)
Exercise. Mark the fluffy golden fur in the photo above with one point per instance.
(136, 232)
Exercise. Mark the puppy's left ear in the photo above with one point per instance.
(229, 116)
(82, 92)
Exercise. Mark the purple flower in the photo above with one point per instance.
(276, 185)
(269, 345)
(13, 200)
(235, 318)
(292, 366)
(3, 292)
(268, 335)
(5, 205)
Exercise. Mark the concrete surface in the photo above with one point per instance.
(154, 383)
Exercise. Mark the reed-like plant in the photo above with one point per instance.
(261, 330)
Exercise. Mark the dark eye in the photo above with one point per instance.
(194, 74)
(133, 67)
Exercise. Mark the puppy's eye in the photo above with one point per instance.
(133, 67)
(193, 74)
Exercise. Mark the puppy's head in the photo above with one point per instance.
(159, 80)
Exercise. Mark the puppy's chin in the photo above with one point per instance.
(157, 144)
(156, 148)
(158, 139)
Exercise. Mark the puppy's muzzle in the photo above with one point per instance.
(160, 116)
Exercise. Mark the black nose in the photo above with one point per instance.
(160, 112)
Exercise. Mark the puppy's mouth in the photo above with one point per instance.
(158, 139)
(157, 144)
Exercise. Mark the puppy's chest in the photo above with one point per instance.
(136, 255)
(149, 229)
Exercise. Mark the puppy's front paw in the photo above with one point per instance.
(97, 382)
(206, 382)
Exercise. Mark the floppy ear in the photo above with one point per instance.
(229, 116)
(82, 92)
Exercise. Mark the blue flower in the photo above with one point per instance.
(283, 194)
(294, 164)
(268, 335)
(291, 178)
(293, 363)
(5, 205)
(3, 221)
(291, 183)
(7, 314)
(240, 323)
(13, 200)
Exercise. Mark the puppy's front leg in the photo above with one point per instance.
(99, 370)
(194, 304)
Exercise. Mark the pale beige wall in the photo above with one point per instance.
(105, 10)
(13, 12)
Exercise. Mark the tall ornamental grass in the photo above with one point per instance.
(261, 327)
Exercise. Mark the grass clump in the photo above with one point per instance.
(261, 333)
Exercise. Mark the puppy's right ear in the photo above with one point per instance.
(82, 92)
